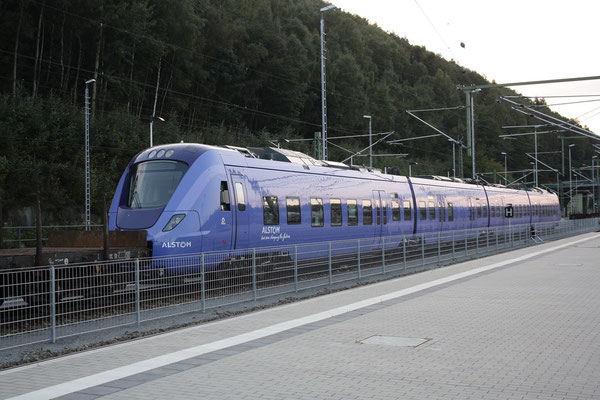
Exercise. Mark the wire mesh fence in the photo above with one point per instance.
(46, 303)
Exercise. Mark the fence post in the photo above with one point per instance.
(202, 283)
(329, 266)
(404, 252)
(358, 261)
(137, 292)
(453, 246)
(295, 268)
(439, 247)
(53, 304)
(254, 274)
(422, 249)
(383, 256)
(496, 235)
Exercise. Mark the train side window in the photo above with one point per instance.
(384, 207)
(378, 210)
(316, 211)
(492, 211)
(484, 206)
(352, 212)
(270, 210)
(478, 210)
(422, 211)
(293, 210)
(395, 210)
(336, 212)
(407, 210)
(225, 206)
(367, 212)
(431, 210)
(450, 212)
(239, 193)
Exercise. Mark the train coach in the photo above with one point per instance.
(193, 198)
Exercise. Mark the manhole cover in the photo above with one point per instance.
(395, 341)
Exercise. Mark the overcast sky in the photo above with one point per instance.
(505, 40)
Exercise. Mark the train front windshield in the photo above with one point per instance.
(152, 183)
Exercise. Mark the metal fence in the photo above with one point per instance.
(44, 304)
(24, 236)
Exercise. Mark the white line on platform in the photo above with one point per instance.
(156, 362)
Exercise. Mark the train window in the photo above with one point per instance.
(431, 210)
(478, 210)
(384, 211)
(352, 212)
(378, 210)
(270, 210)
(440, 211)
(316, 211)
(336, 212)
(395, 210)
(225, 206)
(239, 193)
(484, 210)
(422, 211)
(293, 210)
(407, 210)
(367, 212)
(450, 212)
(492, 211)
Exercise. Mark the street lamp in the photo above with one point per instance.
(410, 164)
(323, 86)
(88, 215)
(570, 181)
(370, 141)
(152, 119)
(594, 184)
(505, 168)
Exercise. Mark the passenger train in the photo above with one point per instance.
(193, 198)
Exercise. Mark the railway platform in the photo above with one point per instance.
(523, 324)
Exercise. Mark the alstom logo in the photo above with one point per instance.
(176, 245)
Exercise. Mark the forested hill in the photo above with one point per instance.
(231, 72)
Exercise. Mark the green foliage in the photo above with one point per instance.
(230, 72)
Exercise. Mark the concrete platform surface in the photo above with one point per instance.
(518, 325)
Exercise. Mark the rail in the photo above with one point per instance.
(48, 303)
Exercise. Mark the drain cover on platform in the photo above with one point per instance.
(395, 341)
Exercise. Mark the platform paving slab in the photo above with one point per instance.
(527, 329)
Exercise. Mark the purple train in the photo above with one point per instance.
(194, 198)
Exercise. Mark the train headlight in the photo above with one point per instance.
(173, 222)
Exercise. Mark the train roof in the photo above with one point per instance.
(298, 158)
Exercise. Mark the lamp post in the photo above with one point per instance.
(594, 203)
(410, 164)
(505, 168)
(370, 141)
(88, 216)
(152, 119)
(570, 181)
(323, 86)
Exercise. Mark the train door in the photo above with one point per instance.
(471, 220)
(441, 202)
(240, 224)
(380, 206)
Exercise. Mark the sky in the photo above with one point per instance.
(506, 41)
